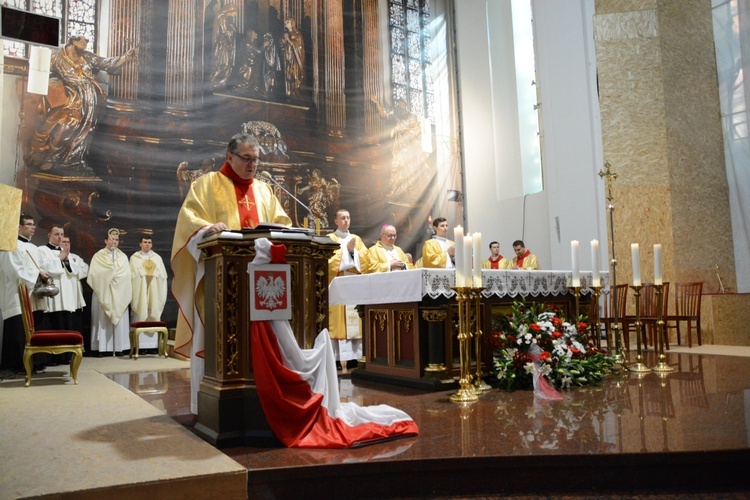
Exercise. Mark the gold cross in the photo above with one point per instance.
(247, 203)
(610, 178)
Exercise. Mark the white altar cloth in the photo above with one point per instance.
(413, 285)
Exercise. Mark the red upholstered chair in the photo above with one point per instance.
(157, 327)
(49, 341)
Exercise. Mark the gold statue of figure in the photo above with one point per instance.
(323, 194)
(293, 47)
(225, 45)
(69, 111)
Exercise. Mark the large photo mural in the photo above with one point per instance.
(353, 103)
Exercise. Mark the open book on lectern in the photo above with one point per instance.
(265, 227)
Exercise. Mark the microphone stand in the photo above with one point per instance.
(267, 176)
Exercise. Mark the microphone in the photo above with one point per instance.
(268, 177)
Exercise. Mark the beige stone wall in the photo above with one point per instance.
(662, 135)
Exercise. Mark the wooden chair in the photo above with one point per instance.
(687, 299)
(607, 319)
(159, 328)
(49, 341)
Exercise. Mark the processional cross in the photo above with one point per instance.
(609, 178)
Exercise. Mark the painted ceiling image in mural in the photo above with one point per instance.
(342, 96)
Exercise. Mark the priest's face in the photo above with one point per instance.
(520, 250)
(442, 229)
(65, 243)
(146, 245)
(388, 236)
(343, 220)
(244, 161)
(27, 229)
(112, 241)
(495, 249)
(55, 235)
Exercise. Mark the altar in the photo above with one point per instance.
(409, 318)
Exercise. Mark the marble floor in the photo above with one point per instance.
(686, 434)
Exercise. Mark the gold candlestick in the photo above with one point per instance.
(638, 367)
(480, 386)
(596, 291)
(577, 296)
(465, 392)
(662, 365)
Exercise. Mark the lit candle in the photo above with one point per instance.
(657, 265)
(468, 241)
(595, 278)
(576, 281)
(477, 260)
(636, 264)
(458, 238)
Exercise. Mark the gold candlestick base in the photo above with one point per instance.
(466, 392)
(638, 366)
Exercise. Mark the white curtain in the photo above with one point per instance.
(732, 42)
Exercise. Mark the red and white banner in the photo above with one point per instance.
(299, 392)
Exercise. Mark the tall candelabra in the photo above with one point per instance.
(662, 365)
(466, 393)
(620, 355)
(638, 367)
(480, 386)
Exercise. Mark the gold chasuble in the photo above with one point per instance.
(212, 198)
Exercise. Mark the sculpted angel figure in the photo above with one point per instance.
(69, 112)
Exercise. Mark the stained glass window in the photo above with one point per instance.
(411, 68)
(79, 18)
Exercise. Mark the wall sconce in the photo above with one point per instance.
(455, 195)
(39, 60)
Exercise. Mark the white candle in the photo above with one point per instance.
(467, 260)
(657, 265)
(477, 261)
(636, 264)
(576, 281)
(595, 277)
(458, 238)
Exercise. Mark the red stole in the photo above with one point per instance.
(243, 190)
(519, 262)
(495, 264)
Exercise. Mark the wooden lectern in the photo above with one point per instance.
(229, 412)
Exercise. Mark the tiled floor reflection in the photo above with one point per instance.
(703, 406)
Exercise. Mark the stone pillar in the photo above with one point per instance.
(335, 107)
(661, 128)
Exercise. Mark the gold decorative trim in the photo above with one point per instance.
(233, 308)
(66, 178)
(434, 315)
(219, 317)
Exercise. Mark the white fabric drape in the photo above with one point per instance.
(732, 41)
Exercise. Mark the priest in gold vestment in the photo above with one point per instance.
(439, 252)
(225, 200)
(350, 258)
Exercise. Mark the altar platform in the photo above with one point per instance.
(683, 436)
(686, 434)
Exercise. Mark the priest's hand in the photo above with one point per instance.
(397, 265)
(351, 245)
(216, 228)
(64, 254)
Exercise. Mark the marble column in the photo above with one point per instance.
(662, 134)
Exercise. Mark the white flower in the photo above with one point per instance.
(529, 367)
(566, 381)
(545, 369)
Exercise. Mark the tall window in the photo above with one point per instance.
(411, 67)
(78, 17)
